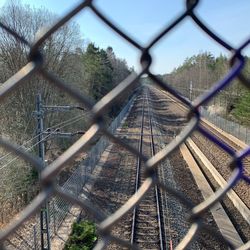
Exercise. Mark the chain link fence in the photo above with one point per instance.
(239, 131)
(49, 189)
(233, 128)
(58, 207)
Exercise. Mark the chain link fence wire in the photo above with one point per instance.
(77, 180)
(49, 189)
(233, 128)
(239, 131)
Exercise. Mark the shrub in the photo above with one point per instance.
(83, 236)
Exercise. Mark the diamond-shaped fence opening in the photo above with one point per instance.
(59, 199)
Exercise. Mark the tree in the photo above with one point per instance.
(98, 72)
(204, 70)
(120, 67)
(26, 21)
(83, 236)
(92, 71)
(60, 52)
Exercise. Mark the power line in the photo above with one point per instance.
(54, 126)
(40, 111)
(53, 132)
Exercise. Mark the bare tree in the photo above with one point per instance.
(18, 180)
(26, 21)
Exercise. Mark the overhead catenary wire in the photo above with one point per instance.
(54, 126)
(53, 132)
(31, 139)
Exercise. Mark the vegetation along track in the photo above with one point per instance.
(159, 221)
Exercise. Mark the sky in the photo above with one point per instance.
(143, 19)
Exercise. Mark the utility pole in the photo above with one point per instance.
(190, 90)
(44, 213)
(39, 113)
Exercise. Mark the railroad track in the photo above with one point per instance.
(228, 139)
(216, 172)
(141, 226)
(233, 142)
(147, 229)
(150, 226)
(157, 210)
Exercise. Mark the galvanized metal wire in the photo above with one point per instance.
(48, 187)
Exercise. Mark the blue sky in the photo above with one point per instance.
(142, 19)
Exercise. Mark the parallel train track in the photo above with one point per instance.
(230, 140)
(147, 229)
(152, 236)
(241, 203)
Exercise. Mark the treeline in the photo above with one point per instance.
(199, 72)
(86, 67)
(92, 70)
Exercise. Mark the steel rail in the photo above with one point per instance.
(165, 211)
(138, 167)
(138, 177)
(217, 177)
(157, 191)
(227, 139)
(35, 67)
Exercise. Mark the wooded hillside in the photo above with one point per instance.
(92, 70)
(199, 72)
